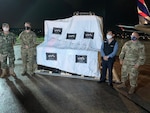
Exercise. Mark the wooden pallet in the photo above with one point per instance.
(65, 74)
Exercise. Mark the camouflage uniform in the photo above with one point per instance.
(28, 54)
(132, 54)
(6, 49)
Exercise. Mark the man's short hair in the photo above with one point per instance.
(136, 33)
(28, 23)
(110, 31)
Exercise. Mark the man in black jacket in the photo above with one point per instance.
(108, 52)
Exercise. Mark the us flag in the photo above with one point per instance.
(143, 12)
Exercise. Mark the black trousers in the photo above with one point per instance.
(107, 65)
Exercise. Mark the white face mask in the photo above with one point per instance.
(108, 37)
(5, 29)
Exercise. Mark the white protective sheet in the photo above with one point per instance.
(72, 45)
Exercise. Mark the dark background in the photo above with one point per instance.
(16, 12)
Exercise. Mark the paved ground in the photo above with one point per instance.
(53, 94)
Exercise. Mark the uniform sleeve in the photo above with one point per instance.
(14, 38)
(34, 39)
(1, 42)
(122, 53)
(141, 59)
(20, 37)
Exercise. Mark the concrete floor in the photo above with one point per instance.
(53, 94)
(49, 94)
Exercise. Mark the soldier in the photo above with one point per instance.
(7, 40)
(131, 57)
(28, 44)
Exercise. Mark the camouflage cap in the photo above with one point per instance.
(5, 25)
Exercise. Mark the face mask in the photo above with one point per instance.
(27, 28)
(133, 38)
(5, 29)
(108, 37)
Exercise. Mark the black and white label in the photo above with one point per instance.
(71, 36)
(81, 59)
(51, 56)
(57, 30)
(89, 35)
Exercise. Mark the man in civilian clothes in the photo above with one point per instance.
(108, 52)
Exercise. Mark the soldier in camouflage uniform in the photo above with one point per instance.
(131, 57)
(28, 44)
(7, 40)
